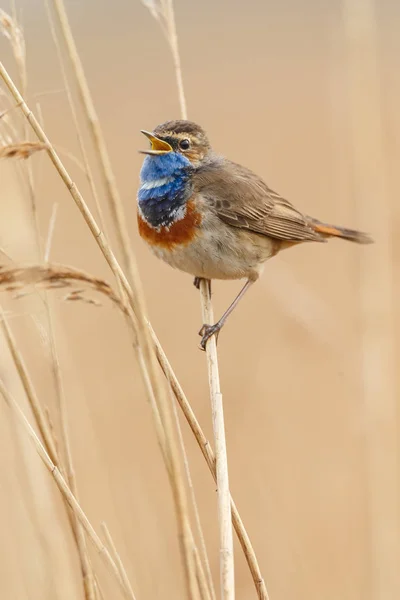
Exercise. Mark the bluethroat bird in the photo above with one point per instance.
(210, 217)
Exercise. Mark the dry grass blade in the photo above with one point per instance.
(14, 278)
(65, 490)
(21, 150)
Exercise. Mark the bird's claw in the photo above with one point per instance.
(196, 282)
(206, 332)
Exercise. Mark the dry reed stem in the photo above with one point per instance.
(27, 384)
(224, 500)
(210, 585)
(227, 573)
(168, 9)
(111, 260)
(87, 168)
(113, 197)
(85, 564)
(65, 490)
(209, 456)
(116, 556)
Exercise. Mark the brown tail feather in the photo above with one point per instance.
(347, 234)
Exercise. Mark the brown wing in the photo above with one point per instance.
(242, 199)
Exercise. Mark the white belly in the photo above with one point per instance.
(219, 251)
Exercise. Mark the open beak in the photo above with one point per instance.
(157, 146)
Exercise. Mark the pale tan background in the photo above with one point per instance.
(269, 82)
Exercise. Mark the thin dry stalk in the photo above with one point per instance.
(116, 556)
(227, 573)
(100, 146)
(87, 168)
(168, 9)
(34, 402)
(224, 499)
(209, 456)
(65, 490)
(205, 580)
(46, 429)
(50, 233)
(86, 567)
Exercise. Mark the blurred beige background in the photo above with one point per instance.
(312, 453)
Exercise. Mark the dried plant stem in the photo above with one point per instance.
(65, 490)
(88, 170)
(86, 567)
(208, 589)
(116, 556)
(48, 438)
(37, 409)
(209, 456)
(227, 574)
(100, 146)
(172, 37)
(224, 499)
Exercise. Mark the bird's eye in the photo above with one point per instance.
(184, 144)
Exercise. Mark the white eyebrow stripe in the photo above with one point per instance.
(149, 185)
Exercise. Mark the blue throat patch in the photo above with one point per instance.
(165, 188)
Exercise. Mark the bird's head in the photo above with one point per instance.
(180, 138)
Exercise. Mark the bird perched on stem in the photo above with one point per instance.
(210, 217)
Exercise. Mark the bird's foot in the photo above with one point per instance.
(207, 331)
(196, 282)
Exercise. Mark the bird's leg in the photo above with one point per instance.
(196, 282)
(209, 330)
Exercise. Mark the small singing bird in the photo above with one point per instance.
(210, 217)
